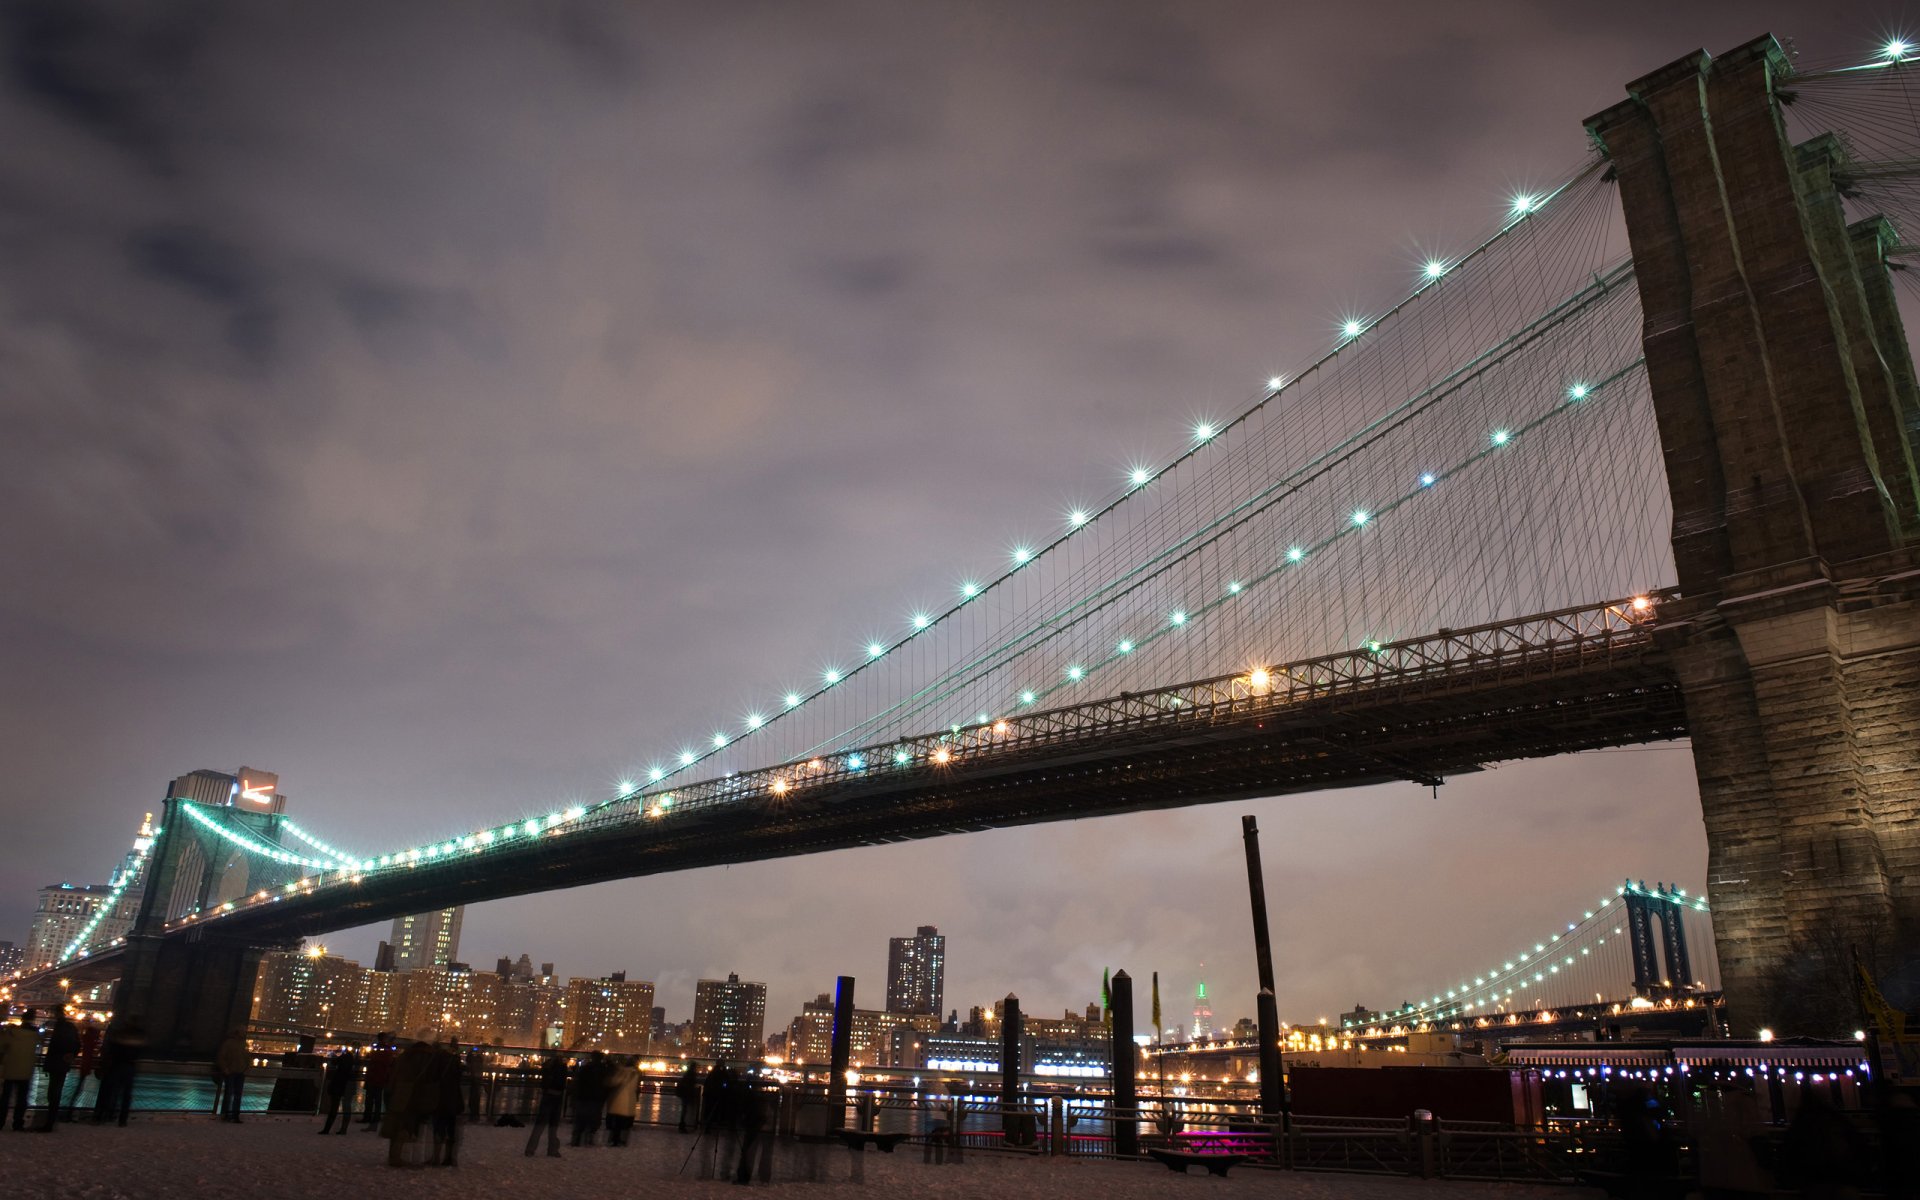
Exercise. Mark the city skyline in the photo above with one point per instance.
(404, 574)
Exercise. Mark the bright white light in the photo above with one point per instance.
(1295, 554)
(1434, 268)
(969, 589)
(656, 774)
(875, 649)
(855, 762)
(1077, 517)
(719, 740)
(792, 699)
(831, 675)
(1500, 437)
(1578, 391)
(1276, 383)
(1075, 672)
(1897, 49)
(900, 756)
(1178, 617)
(686, 758)
(1140, 476)
(1022, 555)
(1203, 430)
(1126, 647)
(1361, 516)
(1259, 678)
(1352, 328)
(921, 620)
(1524, 204)
(1026, 697)
(755, 720)
(1426, 480)
(1233, 589)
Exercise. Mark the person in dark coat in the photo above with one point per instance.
(553, 1097)
(590, 1086)
(687, 1090)
(447, 1085)
(88, 1064)
(63, 1046)
(750, 1117)
(342, 1073)
(410, 1101)
(379, 1077)
(714, 1100)
(126, 1045)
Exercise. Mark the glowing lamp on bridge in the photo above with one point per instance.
(1641, 604)
(1178, 617)
(1027, 697)
(1259, 678)
(1140, 476)
(655, 774)
(831, 675)
(1897, 50)
(969, 589)
(1525, 203)
(1075, 673)
(1276, 383)
(1022, 556)
(1501, 437)
(686, 758)
(942, 756)
(921, 620)
(780, 787)
(1077, 517)
(1125, 647)
(1204, 431)
(901, 756)
(1295, 554)
(1434, 269)
(1361, 516)
(1351, 328)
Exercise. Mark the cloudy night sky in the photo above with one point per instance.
(451, 406)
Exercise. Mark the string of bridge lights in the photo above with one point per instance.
(1519, 965)
(78, 946)
(1349, 330)
(339, 857)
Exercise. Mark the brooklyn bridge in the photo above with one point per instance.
(1569, 492)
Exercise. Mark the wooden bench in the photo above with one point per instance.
(1178, 1161)
(860, 1139)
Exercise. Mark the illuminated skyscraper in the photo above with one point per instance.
(917, 972)
(1202, 1014)
(729, 1019)
(426, 939)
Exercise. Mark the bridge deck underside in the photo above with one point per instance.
(1420, 731)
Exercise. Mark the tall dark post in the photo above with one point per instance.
(1010, 1054)
(1273, 1092)
(1126, 1103)
(842, 1048)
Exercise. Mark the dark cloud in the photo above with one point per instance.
(449, 405)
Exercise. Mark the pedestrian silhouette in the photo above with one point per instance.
(19, 1046)
(553, 1097)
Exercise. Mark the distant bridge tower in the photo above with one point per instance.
(189, 991)
(1785, 396)
(1668, 969)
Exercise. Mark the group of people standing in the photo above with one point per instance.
(113, 1055)
(605, 1090)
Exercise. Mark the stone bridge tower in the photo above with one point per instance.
(1785, 395)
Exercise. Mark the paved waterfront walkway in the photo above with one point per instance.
(283, 1159)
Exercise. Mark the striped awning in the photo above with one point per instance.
(1613, 1055)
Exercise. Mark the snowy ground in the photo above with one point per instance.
(283, 1159)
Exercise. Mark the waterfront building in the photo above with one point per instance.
(308, 989)
(452, 1001)
(916, 972)
(614, 1014)
(729, 1018)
